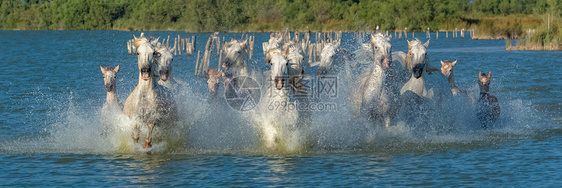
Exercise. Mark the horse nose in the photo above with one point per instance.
(418, 70)
(279, 83)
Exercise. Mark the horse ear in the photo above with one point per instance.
(479, 74)
(426, 44)
(442, 62)
(116, 69)
(102, 70)
(173, 50)
(489, 74)
(454, 63)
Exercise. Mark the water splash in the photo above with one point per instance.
(212, 127)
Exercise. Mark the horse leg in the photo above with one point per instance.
(148, 141)
(135, 133)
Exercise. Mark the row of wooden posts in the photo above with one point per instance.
(186, 45)
(399, 34)
(312, 50)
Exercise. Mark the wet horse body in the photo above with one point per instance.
(379, 90)
(277, 122)
(149, 104)
(488, 108)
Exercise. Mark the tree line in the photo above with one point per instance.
(258, 15)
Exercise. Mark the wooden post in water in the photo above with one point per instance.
(220, 60)
(437, 35)
(175, 44)
(168, 41)
(462, 33)
(193, 43)
(129, 47)
(446, 33)
(197, 62)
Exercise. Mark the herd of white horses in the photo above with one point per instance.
(386, 83)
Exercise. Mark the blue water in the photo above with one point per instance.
(52, 92)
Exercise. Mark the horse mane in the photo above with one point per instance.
(274, 51)
(143, 39)
(161, 47)
(411, 44)
(109, 68)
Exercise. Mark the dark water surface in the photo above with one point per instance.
(50, 124)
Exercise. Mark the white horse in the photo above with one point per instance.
(332, 59)
(295, 58)
(420, 83)
(274, 42)
(275, 115)
(149, 104)
(164, 59)
(235, 58)
(378, 94)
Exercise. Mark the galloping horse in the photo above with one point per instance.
(379, 92)
(149, 104)
(488, 109)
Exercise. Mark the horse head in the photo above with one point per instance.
(484, 81)
(273, 43)
(164, 59)
(294, 54)
(109, 75)
(327, 58)
(278, 70)
(382, 49)
(447, 67)
(235, 54)
(418, 58)
(145, 61)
